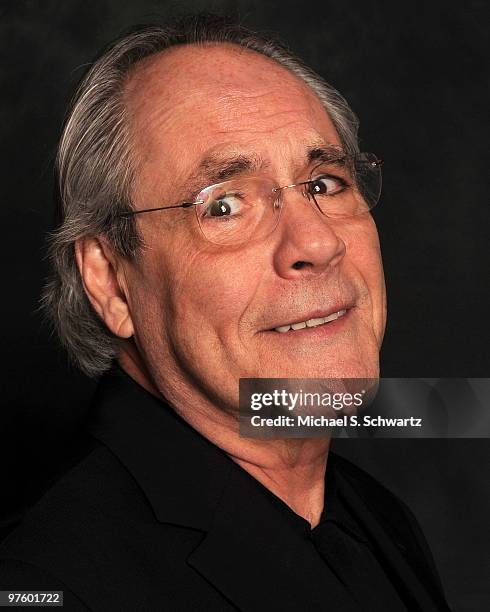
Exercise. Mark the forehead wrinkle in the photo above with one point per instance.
(255, 114)
(234, 108)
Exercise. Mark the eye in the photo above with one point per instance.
(326, 184)
(223, 205)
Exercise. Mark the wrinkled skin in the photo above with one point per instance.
(201, 312)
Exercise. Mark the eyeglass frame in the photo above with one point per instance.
(377, 162)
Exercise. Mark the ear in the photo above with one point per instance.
(98, 269)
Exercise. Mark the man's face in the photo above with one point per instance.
(205, 315)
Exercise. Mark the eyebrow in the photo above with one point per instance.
(216, 168)
(324, 153)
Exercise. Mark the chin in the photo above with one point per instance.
(326, 366)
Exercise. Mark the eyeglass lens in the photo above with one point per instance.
(242, 209)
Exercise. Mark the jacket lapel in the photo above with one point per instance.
(180, 472)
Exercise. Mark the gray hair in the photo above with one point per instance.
(95, 168)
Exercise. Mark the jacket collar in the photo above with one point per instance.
(181, 473)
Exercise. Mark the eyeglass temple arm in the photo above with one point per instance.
(131, 213)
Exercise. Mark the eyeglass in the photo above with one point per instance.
(249, 208)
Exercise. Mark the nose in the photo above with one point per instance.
(307, 241)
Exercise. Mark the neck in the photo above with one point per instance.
(292, 469)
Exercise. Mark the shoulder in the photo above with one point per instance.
(94, 486)
(94, 532)
(77, 534)
(21, 576)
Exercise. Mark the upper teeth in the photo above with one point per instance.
(311, 322)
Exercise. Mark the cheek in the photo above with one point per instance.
(365, 256)
(206, 293)
(215, 290)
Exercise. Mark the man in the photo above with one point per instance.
(212, 230)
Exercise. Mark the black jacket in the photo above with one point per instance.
(154, 517)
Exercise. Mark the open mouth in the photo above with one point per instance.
(316, 322)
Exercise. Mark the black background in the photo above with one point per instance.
(415, 73)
